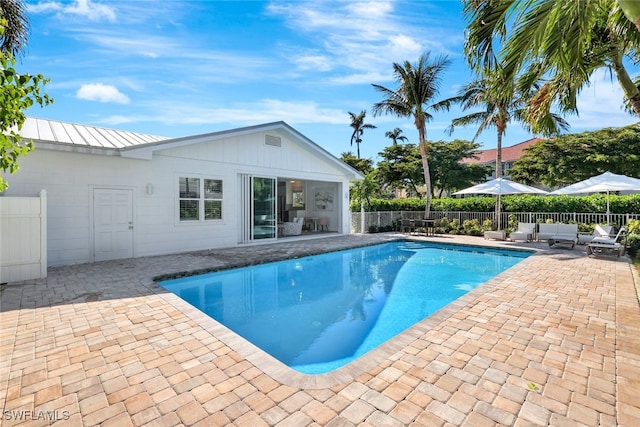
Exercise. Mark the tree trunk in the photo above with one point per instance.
(498, 175)
(427, 175)
(630, 90)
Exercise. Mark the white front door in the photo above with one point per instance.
(112, 224)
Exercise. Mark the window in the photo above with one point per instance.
(200, 199)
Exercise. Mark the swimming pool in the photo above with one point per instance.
(318, 313)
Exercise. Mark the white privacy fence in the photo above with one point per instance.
(388, 218)
(23, 238)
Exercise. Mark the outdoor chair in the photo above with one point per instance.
(608, 239)
(524, 232)
(407, 226)
(598, 231)
(606, 245)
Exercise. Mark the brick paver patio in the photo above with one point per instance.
(555, 341)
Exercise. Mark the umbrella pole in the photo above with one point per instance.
(498, 213)
(608, 211)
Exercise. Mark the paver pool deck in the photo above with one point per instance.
(554, 341)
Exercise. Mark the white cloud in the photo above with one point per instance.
(361, 38)
(313, 62)
(601, 102)
(85, 8)
(101, 93)
(405, 43)
(262, 111)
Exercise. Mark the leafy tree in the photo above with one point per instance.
(396, 135)
(556, 42)
(363, 165)
(574, 157)
(401, 167)
(358, 125)
(448, 173)
(17, 93)
(418, 85)
(362, 191)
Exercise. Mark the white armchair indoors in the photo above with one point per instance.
(293, 228)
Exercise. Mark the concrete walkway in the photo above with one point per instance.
(554, 340)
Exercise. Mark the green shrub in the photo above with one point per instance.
(633, 245)
(595, 203)
(633, 227)
(470, 224)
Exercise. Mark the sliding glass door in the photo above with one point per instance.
(257, 208)
(264, 208)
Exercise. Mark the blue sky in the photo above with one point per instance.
(179, 68)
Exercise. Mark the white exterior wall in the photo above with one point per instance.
(70, 178)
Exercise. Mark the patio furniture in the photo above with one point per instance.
(293, 228)
(608, 239)
(430, 226)
(407, 226)
(604, 249)
(524, 232)
(565, 234)
(545, 231)
(495, 235)
(323, 224)
(598, 231)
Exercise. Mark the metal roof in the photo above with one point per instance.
(97, 140)
(83, 135)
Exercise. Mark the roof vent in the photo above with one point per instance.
(274, 141)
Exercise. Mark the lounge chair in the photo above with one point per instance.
(606, 245)
(609, 239)
(598, 231)
(524, 232)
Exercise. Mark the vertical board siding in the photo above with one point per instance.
(23, 239)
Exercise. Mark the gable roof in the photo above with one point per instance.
(509, 154)
(64, 136)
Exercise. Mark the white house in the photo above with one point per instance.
(114, 194)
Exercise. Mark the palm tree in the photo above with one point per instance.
(16, 26)
(631, 9)
(500, 103)
(418, 85)
(562, 43)
(358, 125)
(396, 135)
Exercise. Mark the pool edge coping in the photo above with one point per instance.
(291, 377)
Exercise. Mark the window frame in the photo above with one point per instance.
(201, 199)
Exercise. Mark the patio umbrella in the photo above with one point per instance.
(605, 182)
(498, 187)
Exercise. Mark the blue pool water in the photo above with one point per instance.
(318, 313)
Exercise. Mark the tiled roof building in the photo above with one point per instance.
(509, 156)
